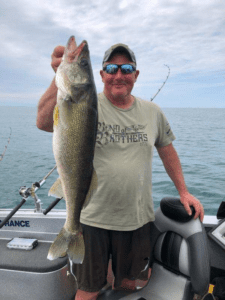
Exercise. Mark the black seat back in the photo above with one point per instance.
(180, 253)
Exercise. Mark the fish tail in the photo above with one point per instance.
(68, 243)
(76, 248)
(59, 246)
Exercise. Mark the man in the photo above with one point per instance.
(119, 216)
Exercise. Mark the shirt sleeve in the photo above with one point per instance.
(165, 134)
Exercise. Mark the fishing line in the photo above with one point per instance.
(162, 84)
(2, 155)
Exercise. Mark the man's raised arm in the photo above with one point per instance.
(48, 100)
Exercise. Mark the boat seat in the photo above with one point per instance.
(180, 266)
(29, 261)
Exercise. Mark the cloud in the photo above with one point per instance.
(189, 36)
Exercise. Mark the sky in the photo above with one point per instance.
(186, 35)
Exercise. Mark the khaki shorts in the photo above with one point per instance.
(130, 252)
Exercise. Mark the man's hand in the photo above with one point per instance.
(57, 57)
(189, 200)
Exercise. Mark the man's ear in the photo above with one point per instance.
(136, 74)
(102, 75)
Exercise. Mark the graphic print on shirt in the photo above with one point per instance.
(117, 134)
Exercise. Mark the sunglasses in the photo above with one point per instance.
(113, 68)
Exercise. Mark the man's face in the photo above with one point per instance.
(118, 85)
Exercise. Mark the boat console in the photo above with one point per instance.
(217, 233)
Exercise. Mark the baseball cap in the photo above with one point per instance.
(118, 47)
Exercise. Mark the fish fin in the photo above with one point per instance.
(68, 243)
(56, 189)
(76, 248)
(59, 246)
(92, 188)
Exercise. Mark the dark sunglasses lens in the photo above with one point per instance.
(111, 69)
(127, 69)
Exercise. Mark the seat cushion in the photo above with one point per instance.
(29, 260)
(171, 250)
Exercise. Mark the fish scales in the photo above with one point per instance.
(74, 136)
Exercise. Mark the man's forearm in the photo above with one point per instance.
(46, 107)
(173, 167)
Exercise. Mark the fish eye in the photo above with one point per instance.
(84, 62)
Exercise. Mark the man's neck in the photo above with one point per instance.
(121, 102)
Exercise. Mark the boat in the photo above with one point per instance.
(186, 259)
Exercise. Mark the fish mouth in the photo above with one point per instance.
(74, 51)
(82, 47)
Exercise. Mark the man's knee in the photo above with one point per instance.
(82, 295)
(128, 284)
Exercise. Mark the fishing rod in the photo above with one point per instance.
(41, 182)
(162, 84)
(27, 192)
(2, 155)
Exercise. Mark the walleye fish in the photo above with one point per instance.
(74, 136)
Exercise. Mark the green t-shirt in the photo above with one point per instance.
(123, 163)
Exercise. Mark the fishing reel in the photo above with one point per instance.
(27, 192)
(24, 191)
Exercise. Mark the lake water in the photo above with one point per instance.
(200, 143)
